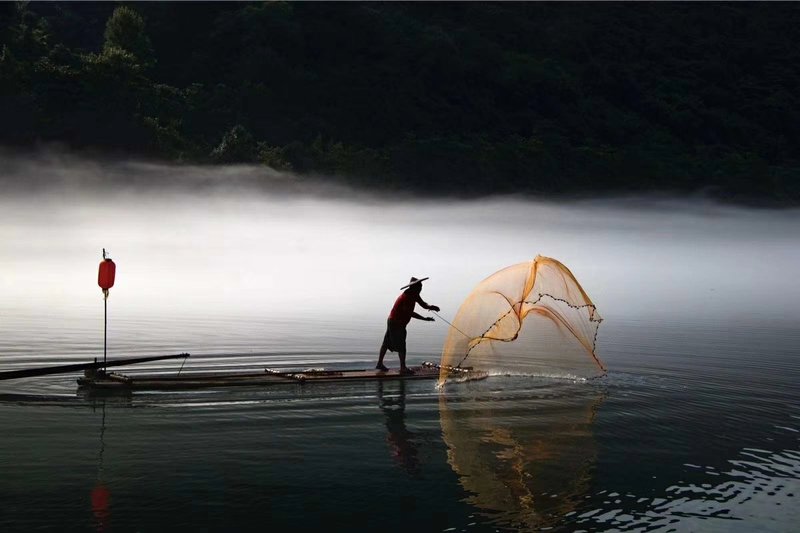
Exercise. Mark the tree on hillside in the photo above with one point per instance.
(237, 146)
(125, 30)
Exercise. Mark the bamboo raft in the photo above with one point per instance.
(97, 377)
(100, 380)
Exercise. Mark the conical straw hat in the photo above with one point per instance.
(413, 281)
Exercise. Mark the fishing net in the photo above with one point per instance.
(530, 318)
(521, 472)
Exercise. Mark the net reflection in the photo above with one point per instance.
(526, 459)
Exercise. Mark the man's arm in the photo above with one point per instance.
(425, 318)
(426, 306)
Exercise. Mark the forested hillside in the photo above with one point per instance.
(446, 98)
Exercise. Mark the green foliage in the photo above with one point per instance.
(125, 31)
(237, 146)
(273, 157)
(345, 160)
(28, 34)
(471, 98)
(168, 139)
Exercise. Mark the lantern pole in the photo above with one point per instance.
(105, 322)
(105, 330)
(105, 279)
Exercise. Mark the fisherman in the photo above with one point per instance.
(403, 311)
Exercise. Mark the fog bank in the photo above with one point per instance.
(248, 240)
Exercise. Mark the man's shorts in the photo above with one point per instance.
(395, 338)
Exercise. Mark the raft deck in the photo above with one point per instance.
(115, 381)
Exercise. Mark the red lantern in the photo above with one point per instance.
(105, 278)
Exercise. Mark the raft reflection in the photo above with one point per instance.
(525, 457)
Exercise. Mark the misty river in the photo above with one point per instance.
(695, 428)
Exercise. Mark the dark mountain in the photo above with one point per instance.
(448, 98)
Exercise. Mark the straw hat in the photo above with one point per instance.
(413, 281)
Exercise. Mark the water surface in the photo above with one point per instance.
(696, 427)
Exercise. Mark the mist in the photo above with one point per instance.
(242, 240)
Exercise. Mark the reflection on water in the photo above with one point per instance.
(526, 461)
(694, 429)
(626, 453)
(101, 496)
(559, 457)
(405, 450)
(758, 487)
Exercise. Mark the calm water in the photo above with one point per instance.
(696, 428)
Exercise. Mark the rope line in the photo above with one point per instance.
(181, 368)
(448, 323)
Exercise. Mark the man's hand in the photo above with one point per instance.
(429, 319)
(434, 308)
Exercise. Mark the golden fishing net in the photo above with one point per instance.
(523, 473)
(530, 318)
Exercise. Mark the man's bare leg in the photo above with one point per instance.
(403, 368)
(380, 358)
